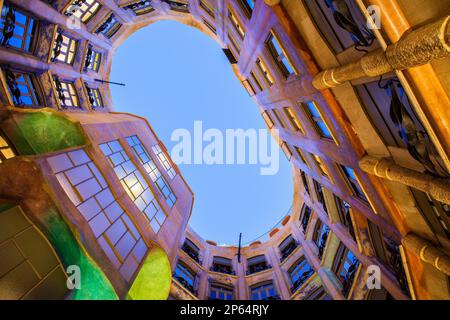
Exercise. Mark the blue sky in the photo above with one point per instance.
(176, 75)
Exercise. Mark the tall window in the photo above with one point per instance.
(164, 160)
(305, 182)
(353, 182)
(279, 118)
(300, 155)
(323, 170)
(257, 264)
(320, 195)
(64, 48)
(264, 291)
(344, 215)
(345, 266)
(305, 216)
(95, 98)
(205, 5)
(299, 273)
(265, 71)
(152, 171)
(234, 44)
(256, 81)
(83, 10)
(287, 150)
(18, 30)
(220, 292)
(93, 59)
(236, 24)
(191, 250)
(247, 7)
(185, 276)
(320, 237)
(293, 119)
(268, 119)
(319, 124)
(109, 27)
(279, 55)
(222, 265)
(6, 152)
(67, 95)
(140, 7)
(134, 184)
(115, 232)
(209, 25)
(287, 247)
(22, 88)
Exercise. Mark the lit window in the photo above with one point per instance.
(279, 56)
(67, 94)
(109, 27)
(114, 230)
(64, 48)
(22, 88)
(205, 5)
(6, 152)
(152, 171)
(287, 151)
(265, 71)
(236, 24)
(300, 155)
(256, 80)
(345, 266)
(93, 59)
(279, 118)
(83, 10)
(95, 98)
(220, 292)
(17, 29)
(234, 44)
(134, 184)
(323, 170)
(264, 291)
(247, 6)
(164, 160)
(299, 273)
(319, 124)
(268, 119)
(352, 180)
(140, 7)
(209, 25)
(184, 275)
(292, 117)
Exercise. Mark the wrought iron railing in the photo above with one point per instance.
(258, 268)
(301, 280)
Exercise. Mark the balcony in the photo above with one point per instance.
(185, 284)
(258, 268)
(191, 253)
(301, 280)
(288, 250)
(222, 269)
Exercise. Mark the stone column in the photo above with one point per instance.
(387, 169)
(417, 48)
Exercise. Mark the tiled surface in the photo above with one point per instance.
(152, 170)
(134, 184)
(116, 233)
(164, 161)
(29, 268)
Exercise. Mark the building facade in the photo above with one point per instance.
(357, 91)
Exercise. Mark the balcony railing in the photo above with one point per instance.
(288, 250)
(8, 26)
(185, 284)
(191, 253)
(301, 280)
(258, 268)
(222, 269)
(275, 297)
